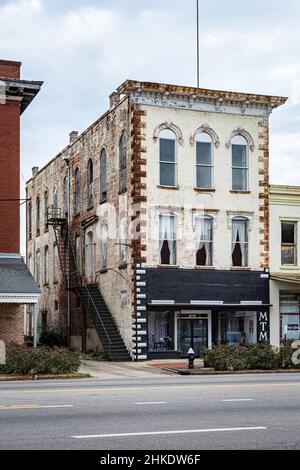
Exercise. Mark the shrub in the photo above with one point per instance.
(52, 338)
(43, 360)
(258, 356)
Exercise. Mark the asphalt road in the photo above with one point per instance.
(162, 412)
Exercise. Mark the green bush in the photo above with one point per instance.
(258, 356)
(52, 338)
(43, 360)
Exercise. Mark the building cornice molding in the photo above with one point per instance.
(284, 195)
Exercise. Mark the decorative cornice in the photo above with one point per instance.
(205, 127)
(168, 125)
(284, 195)
(241, 131)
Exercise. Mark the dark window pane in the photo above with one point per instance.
(287, 233)
(203, 153)
(167, 174)
(204, 177)
(239, 179)
(239, 155)
(167, 150)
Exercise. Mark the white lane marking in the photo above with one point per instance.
(56, 406)
(238, 399)
(183, 431)
(150, 402)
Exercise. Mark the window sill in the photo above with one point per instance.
(289, 267)
(103, 271)
(205, 267)
(46, 284)
(46, 230)
(204, 190)
(240, 191)
(168, 266)
(90, 207)
(240, 268)
(103, 201)
(162, 186)
(55, 282)
(123, 266)
(122, 191)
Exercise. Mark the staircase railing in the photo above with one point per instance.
(60, 225)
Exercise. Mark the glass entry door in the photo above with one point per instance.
(192, 332)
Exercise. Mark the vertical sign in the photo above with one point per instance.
(263, 326)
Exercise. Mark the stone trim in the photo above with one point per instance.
(205, 127)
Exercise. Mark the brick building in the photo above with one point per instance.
(17, 287)
(158, 216)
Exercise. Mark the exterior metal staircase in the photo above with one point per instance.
(89, 294)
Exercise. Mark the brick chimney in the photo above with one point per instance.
(10, 69)
(73, 136)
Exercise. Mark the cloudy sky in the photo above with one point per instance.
(83, 49)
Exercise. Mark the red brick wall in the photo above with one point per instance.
(12, 323)
(9, 69)
(9, 176)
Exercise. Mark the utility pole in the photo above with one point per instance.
(198, 46)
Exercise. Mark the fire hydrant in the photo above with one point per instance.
(191, 354)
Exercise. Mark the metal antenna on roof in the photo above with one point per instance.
(198, 48)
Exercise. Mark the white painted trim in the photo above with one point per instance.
(19, 298)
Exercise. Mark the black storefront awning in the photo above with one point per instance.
(177, 306)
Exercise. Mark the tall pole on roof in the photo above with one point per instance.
(198, 48)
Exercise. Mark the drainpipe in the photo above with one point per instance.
(66, 158)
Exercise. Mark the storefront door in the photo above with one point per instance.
(192, 332)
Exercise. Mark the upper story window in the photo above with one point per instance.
(90, 180)
(55, 263)
(103, 246)
(37, 215)
(123, 240)
(204, 240)
(66, 195)
(46, 204)
(77, 191)
(239, 251)
(167, 238)
(78, 253)
(103, 176)
(55, 197)
(122, 163)
(167, 158)
(29, 220)
(38, 268)
(288, 243)
(204, 163)
(239, 153)
(46, 265)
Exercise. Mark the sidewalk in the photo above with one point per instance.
(109, 370)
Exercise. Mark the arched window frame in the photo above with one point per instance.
(206, 240)
(90, 181)
(171, 234)
(123, 163)
(37, 215)
(77, 192)
(206, 168)
(103, 175)
(244, 244)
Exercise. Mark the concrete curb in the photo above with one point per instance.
(230, 372)
(13, 378)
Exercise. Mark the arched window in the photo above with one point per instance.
(167, 238)
(77, 191)
(123, 240)
(103, 246)
(38, 268)
(239, 152)
(239, 251)
(90, 180)
(55, 263)
(167, 158)
(122, 163)
(103, 176)
(46, 204)
(46, 265)
(55, 197)
(204, 161)
(37, 215)
(29, 220)
(204, 240)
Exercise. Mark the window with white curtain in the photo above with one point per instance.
(123, 240)
(103, 246)
(204, 163)
(167, 238)
(167, 158)
(204, 240)
(239, 151)
(239, 251)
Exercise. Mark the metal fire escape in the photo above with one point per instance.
(89, 295)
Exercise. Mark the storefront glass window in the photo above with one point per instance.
(161, 331)
(289, 317)
(237, 328)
